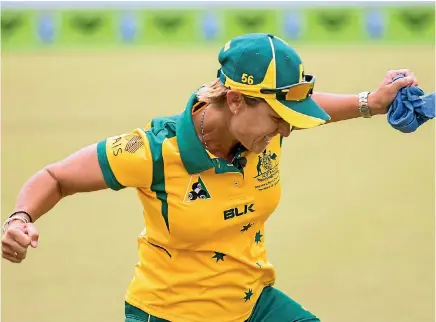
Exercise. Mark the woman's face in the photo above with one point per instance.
(254, 126)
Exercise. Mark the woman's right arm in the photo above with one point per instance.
(80, 172)
(116, 162)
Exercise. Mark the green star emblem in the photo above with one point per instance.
(219, 256)
(246, 227)
(259, 264)
(248, 295)
(258, 237)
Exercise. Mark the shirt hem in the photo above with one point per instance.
(132, 300)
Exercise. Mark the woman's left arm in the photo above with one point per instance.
(342, 107)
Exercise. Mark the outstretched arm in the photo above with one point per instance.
(344, 107)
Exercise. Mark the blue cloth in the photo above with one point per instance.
(411, 108)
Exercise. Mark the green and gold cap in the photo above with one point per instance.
(263, 65)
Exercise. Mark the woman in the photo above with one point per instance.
(208, 179)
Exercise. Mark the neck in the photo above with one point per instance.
(216, 136)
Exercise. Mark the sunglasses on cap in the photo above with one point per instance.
(296, 92)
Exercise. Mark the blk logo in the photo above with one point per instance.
(236, 212)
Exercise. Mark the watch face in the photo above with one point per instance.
(364, 109)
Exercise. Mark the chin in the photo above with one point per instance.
(258, 148)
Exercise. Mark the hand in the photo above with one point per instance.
(17, 238)
(380, 100)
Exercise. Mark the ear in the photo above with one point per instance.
(235, 101)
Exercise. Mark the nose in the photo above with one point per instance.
(284, 129)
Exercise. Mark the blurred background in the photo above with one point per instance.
(353, 238)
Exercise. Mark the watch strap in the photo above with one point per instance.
(364, 109)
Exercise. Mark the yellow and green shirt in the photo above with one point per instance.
(202, 256)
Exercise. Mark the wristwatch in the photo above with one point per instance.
(364, 108)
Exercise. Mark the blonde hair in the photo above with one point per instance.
(215, 93)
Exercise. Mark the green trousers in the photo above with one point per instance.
(272, 306)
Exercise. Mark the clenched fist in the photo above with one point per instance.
(382, 98)
(17, 238)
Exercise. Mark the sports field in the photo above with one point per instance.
(353, 238)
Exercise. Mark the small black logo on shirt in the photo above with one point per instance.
(197, 190)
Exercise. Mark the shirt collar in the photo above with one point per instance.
(194, 156)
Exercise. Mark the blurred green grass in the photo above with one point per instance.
(352, 240)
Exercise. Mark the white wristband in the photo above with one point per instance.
(14, 217)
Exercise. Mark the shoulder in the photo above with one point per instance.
(162, 127)
(158, 132)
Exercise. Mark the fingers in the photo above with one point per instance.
(406, 72)
(395, 72)
(408, 80)
(11, 258)
(15, 257)
(19, 236)
(13, 251)
(17, 239)
(33, 234)
(8, 244)
(401, 83)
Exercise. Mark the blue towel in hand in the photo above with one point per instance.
(411, 108)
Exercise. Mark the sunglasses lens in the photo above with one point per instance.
(299, 92)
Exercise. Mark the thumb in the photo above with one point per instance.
(33, 234)
(401, 83)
